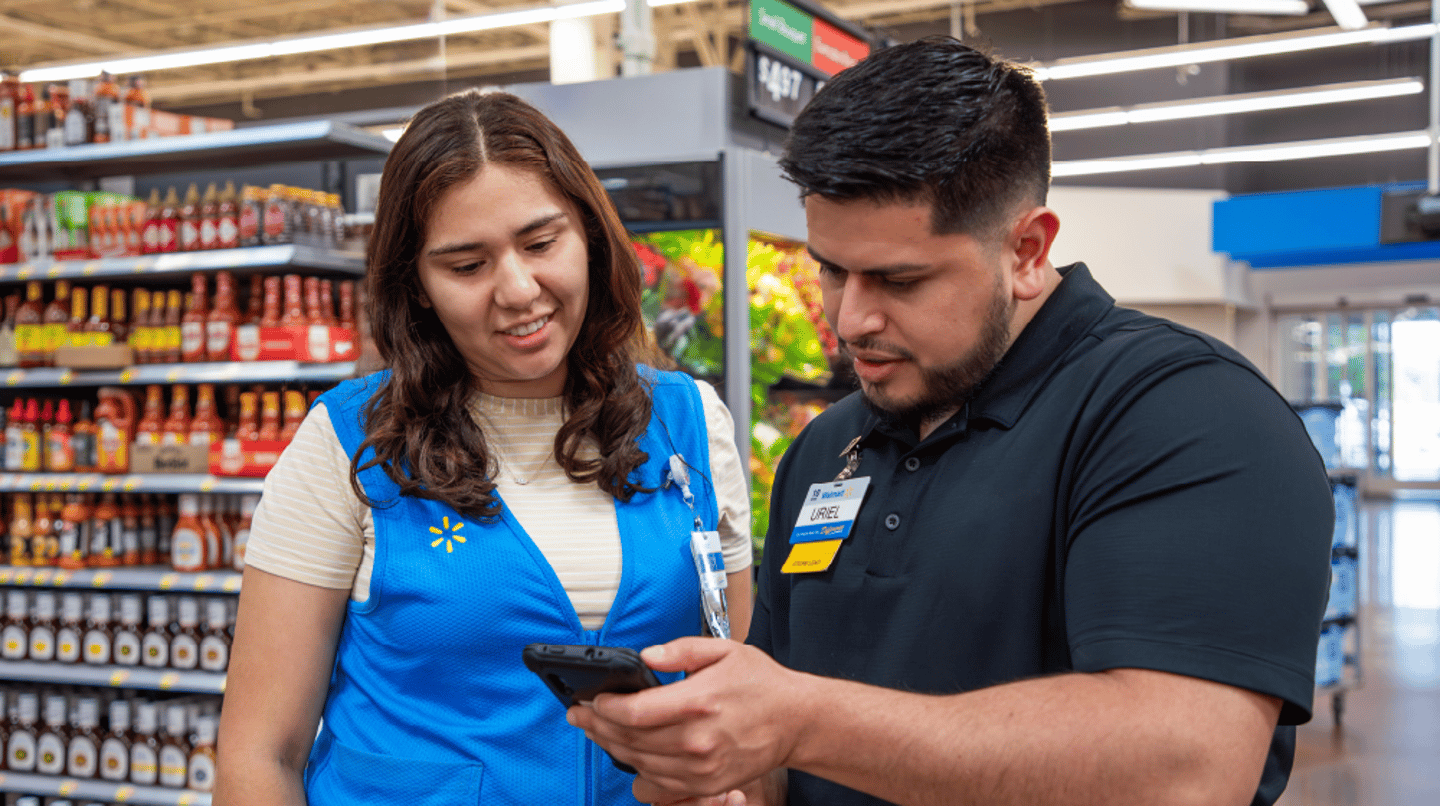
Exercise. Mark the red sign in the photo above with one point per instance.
(833, 50)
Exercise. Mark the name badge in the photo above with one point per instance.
(824, 522)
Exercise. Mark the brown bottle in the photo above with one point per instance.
(270, 314)
(150, 237)
(327, 303)
(174, 312)
(294, 413)
(215, 643)
(220, 322)
(129, 635)
(29, 328)
(45, 543)
(43, 626)
(60, 441)
(119, 322)
(170, 222)
(210, 218)
(115, 747)
(217, 538)
(145, 748)
(105, 537)
(152, 418)
(201, 772)
(269, 416)
(205, 427)
(74, 533)
(177, 426)
(185, 644)
(79, 312)
(190, 220)
(294, 302)
(174, 748)
(43, 118)
(83, 439)
(256, 303)
(149, 532)
(99, 633)
(313, 316)
(129, 531)
(99, 321)
(192, 324)
(248, 429)
(22, 525)
(140, 327)
(70, 638)
(155, 644)
(56, 315)
(25, 118)
(54, 737)
(83, 756)
(107, 110)
(15, 635)
(9, 100)
(227, 218)
(347, 304)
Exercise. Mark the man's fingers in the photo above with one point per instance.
(687, 654)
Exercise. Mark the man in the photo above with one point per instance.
(1092, 555)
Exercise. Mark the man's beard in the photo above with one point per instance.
(945, 388)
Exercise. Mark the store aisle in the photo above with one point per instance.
(1387, 750)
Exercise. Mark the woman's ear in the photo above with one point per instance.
(421, 297)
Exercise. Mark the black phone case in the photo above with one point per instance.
(575, 673)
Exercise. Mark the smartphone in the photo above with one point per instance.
(575, 673)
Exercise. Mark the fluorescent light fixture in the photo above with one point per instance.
(1347, 14)
(1235, 104)
(655, 3)
(320, 42)
(1226, 50)
(1271, 152)
(1292, 7)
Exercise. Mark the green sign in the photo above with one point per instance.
(781, 26)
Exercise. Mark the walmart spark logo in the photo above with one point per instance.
(449, 535)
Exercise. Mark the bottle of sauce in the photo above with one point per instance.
(14, 436)
(15, 635)
(119, 322)
(215, 537)
(206, 427)
(45, 543)
(248, 502)
(130, 636)
(83, 755)
(114, 423)
(145, 748)
(176, 430)
(129, 531)
(105, 548)
(138, 102)
(150, 237)
(140, 327)
(83, 440)
(174, 748)
(98, 325)
(190, 220)
(149, 533)
(9, 101)
(215, 643)
(169, 222)
(46, 423)
(167, 515)
(201, 777)
(248, 429)
(174, 312)
(21, 530)
(53, 321)
(51, 744)
(313, 316)
(270, 313)
(80, 121)
(327, 303)
(252, 212)
(8, 356)
(43, 118)
(188, 540)
(269, 416)
(115, 747)
(74, 533)
(30, 436)
(208, 218)
(59, 441)
(70, 638)
(256, 303)
(294, 305)
(57, 106)
(99, 634)
(185, 645)
(221, 321)
(43, 626)
(294, 413)
(79, 318)
(109, 117)
(155, 645)
(25, 118)
(227, 218)
(20, 748)
(275, 221)
(29, 328)
(152, 416)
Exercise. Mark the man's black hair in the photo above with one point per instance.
(928, 121)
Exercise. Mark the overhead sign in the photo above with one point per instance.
(792, 52)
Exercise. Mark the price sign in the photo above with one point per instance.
(778, 90)
(794, 47)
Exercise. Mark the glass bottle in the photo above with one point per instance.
(248, 502)
(248, 429)
(150, 233)
(45, 542)
(22, 527)
(177, 426)
(119, 321)
(206, 427)
(108, 115)
(20, 746)
(190, 220)
(15, 635)
(220, 322)
(152, 417)
(99, 634)
(59, 442)
(14, 436)
(174, 747)
(29, 328)
(30, 437)
(187, 542)
(42, 627)
(192, 324)
(227, 218)
(83, 439)
(210, 218)
(75, 526)
(311, 288)
(185, 645)
(270, 416)
(214, 537)
(275, 220)
(54, 319)
(155, 645)
(115, 747)
(294, 413)
(270, 312)
(294, 302)
(149, 533)
(327, 303)
(105, 548)
(70, 638)
(215, 643)
(144, 747)
(140, 338)
(201, 773)
(130, 550)
(129, 636)
(99, 321)
(83, 755)
(170, 222)
(51, 744)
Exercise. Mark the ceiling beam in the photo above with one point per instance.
(71, 38)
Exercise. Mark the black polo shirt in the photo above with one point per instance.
(1121, 492)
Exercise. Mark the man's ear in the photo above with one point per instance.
(1030, 241)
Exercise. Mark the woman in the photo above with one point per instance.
(505, 482)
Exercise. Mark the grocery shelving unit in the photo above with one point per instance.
(240, 148)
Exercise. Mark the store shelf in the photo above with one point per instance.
(131, 483)
(77, 789)
(256, 145)
(213, 372)
(79, 674)
(183, 263)
(143, 578)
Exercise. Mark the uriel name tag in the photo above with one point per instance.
(824, 522)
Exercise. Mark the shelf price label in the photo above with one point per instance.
(56, 269)
(168, 681)
(90, 268)
(173, 375)
(168, 581)
(186, 799)
(14, 377)
(5, 576)
(782, 81)
(101, 579)
(208, 483)
(25, 271)
(123, 793)
(68, 787)
(231, 585)
(131, 483)
(84, 483)
(127, 375)
(203, 582)
(61, 577)
(107, 485)
(22, 577)
(66, 377)
(119, 678)
(41, 578)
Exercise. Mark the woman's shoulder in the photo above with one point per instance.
(355, 391)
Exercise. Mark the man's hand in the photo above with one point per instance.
(733, 719)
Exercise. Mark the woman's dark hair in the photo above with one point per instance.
(930, 121)
(419, 422)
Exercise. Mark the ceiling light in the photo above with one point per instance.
(1227, 49)
(1347, 14)
(1292, 7)
(1271, 152)
(1235, 104)
(311, 44)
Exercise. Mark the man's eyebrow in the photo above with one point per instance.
(893, 268)
(540, 221)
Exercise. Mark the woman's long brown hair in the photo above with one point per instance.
(418, 422)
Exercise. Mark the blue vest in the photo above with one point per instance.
(429, 702)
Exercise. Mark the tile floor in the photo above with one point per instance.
(1386, 749)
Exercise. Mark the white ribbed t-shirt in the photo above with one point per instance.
(311, 527)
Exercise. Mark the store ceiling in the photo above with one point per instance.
(36, 32)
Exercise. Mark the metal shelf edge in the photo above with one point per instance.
(130, 483)
(114, 676)
(249, 257)
(36, 784)
(146, 578)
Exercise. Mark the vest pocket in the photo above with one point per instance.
(351, 776)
